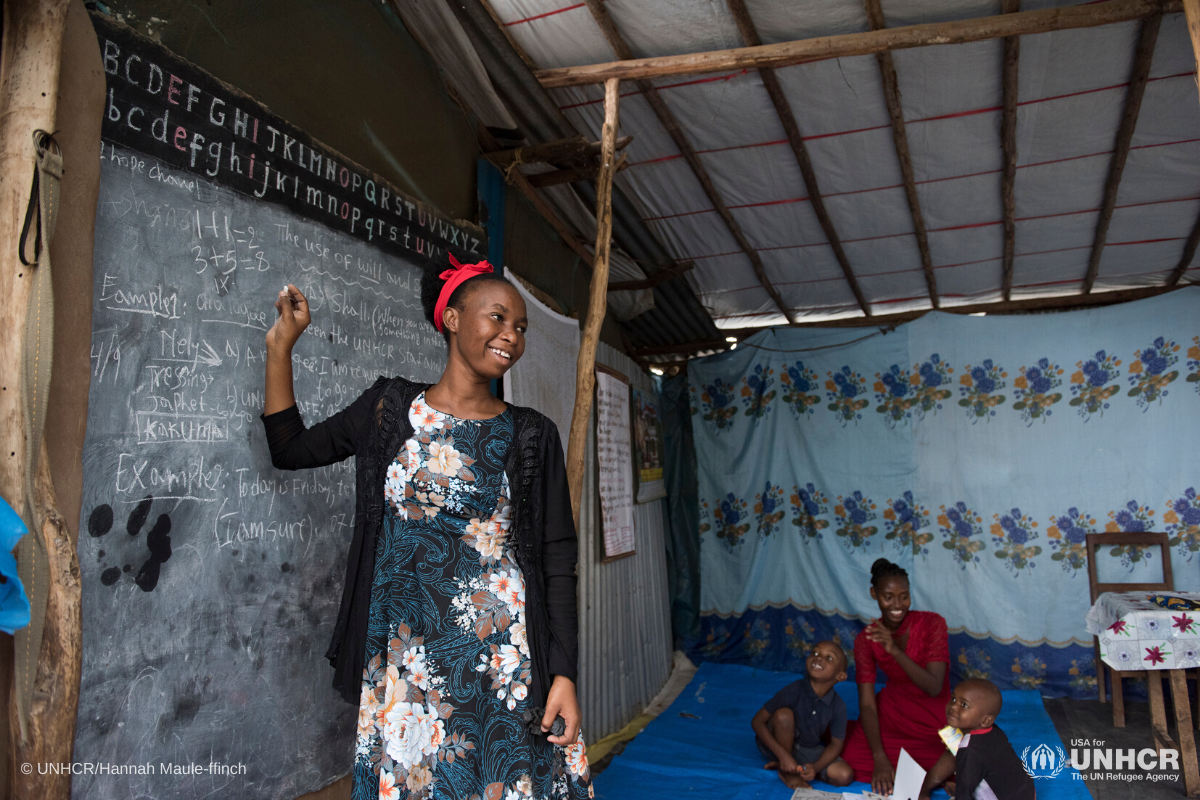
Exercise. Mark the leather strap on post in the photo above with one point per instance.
(33, 566)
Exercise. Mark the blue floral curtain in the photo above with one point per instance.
(977, 452)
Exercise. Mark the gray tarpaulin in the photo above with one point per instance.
(683, 511)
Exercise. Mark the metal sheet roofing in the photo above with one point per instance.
(1073, 87)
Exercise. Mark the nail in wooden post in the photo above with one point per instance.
(585, 367)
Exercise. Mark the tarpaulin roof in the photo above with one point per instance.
(1073, 87)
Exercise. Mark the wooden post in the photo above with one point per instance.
(1191, 10)
(1183, 727)
(585, 367)
(29, 79)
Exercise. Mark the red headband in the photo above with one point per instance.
(455, 278)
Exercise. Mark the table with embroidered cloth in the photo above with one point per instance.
(1145, 631)
(1137, 633)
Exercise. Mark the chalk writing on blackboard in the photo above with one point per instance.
(211, 580)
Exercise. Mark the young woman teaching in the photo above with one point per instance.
(457, 634)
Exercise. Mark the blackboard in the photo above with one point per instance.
(211, 580)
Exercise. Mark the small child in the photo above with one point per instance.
(985, 766)
(790, 727)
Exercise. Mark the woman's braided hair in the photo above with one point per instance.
(883, 569)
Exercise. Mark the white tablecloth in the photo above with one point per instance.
(1137, 634)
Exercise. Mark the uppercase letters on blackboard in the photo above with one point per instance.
(162, 106)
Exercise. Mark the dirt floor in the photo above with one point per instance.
(1091, 719)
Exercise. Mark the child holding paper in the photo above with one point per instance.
(789, 727)
(984, 764)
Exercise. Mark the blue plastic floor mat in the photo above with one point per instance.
(703, 747)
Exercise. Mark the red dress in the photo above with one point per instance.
(908, 717)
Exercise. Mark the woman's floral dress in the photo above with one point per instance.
(447, 675)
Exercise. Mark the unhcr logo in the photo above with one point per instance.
(1043, 761)
(1091, 760)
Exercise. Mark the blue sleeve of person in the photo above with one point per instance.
(14, 605)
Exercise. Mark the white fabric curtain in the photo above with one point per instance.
(544, 378)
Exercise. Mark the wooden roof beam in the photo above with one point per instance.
(570, 175)
(1189, 252)
(784, 109)
(654, 280)
(891, 94)
(1191, 11)
(487, 143)
(1133, 105)
(560, 151)
(1008, 148)
(619, 46)
(820, 48)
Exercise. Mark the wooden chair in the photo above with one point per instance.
(1167, 584)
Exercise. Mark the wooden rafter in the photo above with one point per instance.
(784, 110)
(653, 280)
(1133, 105)
(1008, 146)
(667, 118)
(570, 175)
(821, 48)
(487, 143)
(1189, 252)
(520, 51)
(891, 94)
(559, 152)
(1191, 11)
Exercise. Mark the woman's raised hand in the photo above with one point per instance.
(878, 633)
(293, 318)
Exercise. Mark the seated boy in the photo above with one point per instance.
(985, 766)
(790, 727)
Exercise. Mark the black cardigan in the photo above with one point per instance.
(372, 429)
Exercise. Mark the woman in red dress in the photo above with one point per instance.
(912, 649)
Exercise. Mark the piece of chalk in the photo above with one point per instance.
(285, 288)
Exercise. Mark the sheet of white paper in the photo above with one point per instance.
(909, 777)
(813, 794)
(863, 796)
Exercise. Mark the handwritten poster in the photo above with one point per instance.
(647, 447)
(613, 443)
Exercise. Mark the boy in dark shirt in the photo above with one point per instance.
(790, 727)
(985, 766)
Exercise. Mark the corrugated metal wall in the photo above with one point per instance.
(624, 611)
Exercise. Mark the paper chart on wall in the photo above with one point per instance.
(613, 452)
